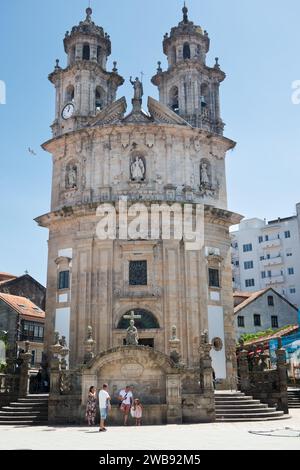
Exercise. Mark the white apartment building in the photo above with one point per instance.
(267, 254)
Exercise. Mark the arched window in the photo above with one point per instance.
(186, 51)
(99, 55)
(70, 93)
(86, 52)
(147, 322)
(174, 101)
(99, 98)
(204, 95)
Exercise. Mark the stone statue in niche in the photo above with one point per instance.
(204, 175)
(137, 169)
(71, 177)
(132, 338)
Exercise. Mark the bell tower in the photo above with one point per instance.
(189, 87)
(84, 87)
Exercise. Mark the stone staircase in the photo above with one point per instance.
(294, 397)
(236, 406)
(29, 411)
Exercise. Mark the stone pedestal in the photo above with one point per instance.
(174, 401)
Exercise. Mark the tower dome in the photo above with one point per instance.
(87, 41)
(189, 87)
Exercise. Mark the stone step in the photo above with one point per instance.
(20, 418)
(254, 411)
(235, 398)
(271, 414)
(25, 405)
(237, 402)
(237, 420)
(241, 406)
(5, 412)
(23, 423)
(37, 400)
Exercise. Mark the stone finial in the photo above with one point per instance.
(89, 13)
(57, 66)
(174, 333)
(27, 345)
(89, 346)
(115, 70)
(159, 69)
(217, 65)
(185, 13)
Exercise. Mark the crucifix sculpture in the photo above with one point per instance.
(132, 338)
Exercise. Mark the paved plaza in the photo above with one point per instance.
(270, 435)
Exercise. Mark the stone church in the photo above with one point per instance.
(181, 300)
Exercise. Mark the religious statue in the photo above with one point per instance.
(137, 169)
(71, 178)
(132, 338)
(204, 174)
(138, 88)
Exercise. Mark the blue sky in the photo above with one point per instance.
(258, 45)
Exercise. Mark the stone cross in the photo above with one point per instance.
(132, 316)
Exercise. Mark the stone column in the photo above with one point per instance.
(24, 375)
(174, 401)
(244, 371)
(282, 378)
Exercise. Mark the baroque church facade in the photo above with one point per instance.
(172, 154)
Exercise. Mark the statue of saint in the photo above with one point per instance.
(205, 180)
(138, 88)
(72, 177)
(137, 169)
(132, 338)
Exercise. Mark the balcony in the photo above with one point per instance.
(274, 280)
(271, 243)
(32, 339)
(272, 261)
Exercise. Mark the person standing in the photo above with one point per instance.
(104, 405)
(137, 411)
(91, 407)
(126, 400)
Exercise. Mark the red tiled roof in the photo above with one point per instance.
(23, 306)
(4, 277)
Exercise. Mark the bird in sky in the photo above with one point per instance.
(31, 151)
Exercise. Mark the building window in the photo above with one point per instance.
(174, 99)
(260, 239)
(274, 321)
(64, 280)
(267, 238)
(32, 357)
(250, 282)
(248, 265)
(270, 300)
(292, 290)
(214, 277)
(257, 320)
(247, 247)
(138, 273)
(31, 331)
(186, 51)
(86, 52)
(263, 274)
(262, 258)
(241, 322)
(291, 271)
(269, 274)
(287, 234)
(289, 254)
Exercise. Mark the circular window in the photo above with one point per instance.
(217, 344)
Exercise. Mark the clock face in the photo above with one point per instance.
(68, 111)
